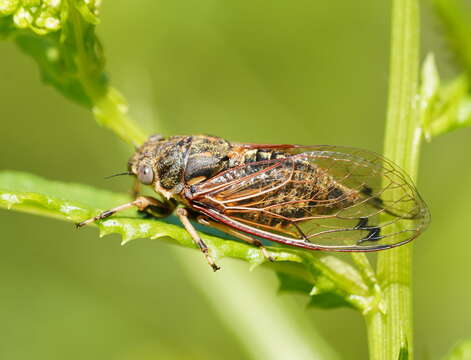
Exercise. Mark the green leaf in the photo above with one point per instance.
(46, 16)
(404, 352)
(290, 283)
(443, 108)
(456, 20)
(449, 110)
(69, 55)
(460, 351)
(328, 298)
(329, 280)
(325, 293)
(454, 111)
(55, 64)
(429, 90)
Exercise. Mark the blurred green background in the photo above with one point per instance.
(306, 72)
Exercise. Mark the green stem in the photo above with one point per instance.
(390, 334)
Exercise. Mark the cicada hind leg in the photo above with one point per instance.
(226, 229)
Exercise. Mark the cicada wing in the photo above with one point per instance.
(318, 197)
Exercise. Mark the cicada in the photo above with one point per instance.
(318, 197)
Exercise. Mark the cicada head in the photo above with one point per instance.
(169, 164)
(160, 162)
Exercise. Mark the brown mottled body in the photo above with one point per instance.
(183, 161)
(315, 197)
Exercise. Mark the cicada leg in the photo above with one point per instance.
(183, 216)
(142, 203)
(226, 229)
(136, 189)
(163, 208)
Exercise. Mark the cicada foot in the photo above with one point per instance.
(204, 249)
(226, 229)
(183, 216)
(264, 251)
(141, 203)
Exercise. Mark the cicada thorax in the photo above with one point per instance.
(180, 161)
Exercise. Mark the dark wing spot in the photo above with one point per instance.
(362, 223)
(334, 193)
(366, 190)
(373, 235)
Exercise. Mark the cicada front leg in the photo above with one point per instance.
(142, 203)
(228, 230)
(158, 208)
(136, 189)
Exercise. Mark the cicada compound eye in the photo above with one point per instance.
(145, 174)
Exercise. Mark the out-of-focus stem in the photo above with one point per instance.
(269, 326)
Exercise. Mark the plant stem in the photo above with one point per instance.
(390, 332)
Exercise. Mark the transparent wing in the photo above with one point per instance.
(318, 197)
